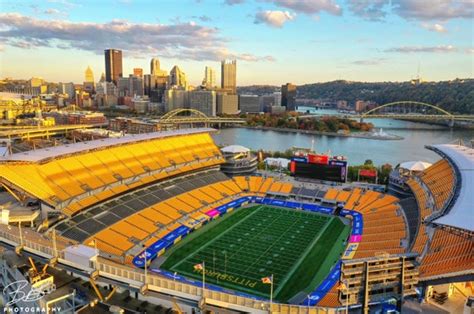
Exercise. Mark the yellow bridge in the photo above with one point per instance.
(439, 113)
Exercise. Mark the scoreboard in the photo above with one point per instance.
(319, 167)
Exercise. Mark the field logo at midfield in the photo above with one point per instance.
(229, 278)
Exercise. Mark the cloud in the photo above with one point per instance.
(426, 49)
(252, 58)
(372, 10)
(309, 6)
(179, 40)
(273, 18)
(64, 3)
(434, 10)
(423, 10)
(55, 12)
(202, 18)
(366, 62)
(232, 2)
(51, 11)
(439, 28)
(469, 50)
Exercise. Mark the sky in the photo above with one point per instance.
(274, 41)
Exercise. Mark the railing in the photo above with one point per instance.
(158, 283)
(136, 278)
(12, 236)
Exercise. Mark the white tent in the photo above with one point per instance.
(415, 165)
(235, 149)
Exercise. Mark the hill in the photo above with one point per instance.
(456, 96)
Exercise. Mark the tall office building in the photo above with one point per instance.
(67, 88)
(135, 86)
(113, 65)
(227, 104)
(138, 72)
(229, 75)
(155, 68)
(209, 80)
(89, 84)
(249, 103)
(267, 102)
(89, 75)
(175, 98)
(177, 78)
(123, 86)
(204, 101)
(288, 96)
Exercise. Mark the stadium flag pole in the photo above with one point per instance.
(146, 270)
(214, 263)
(225, 262)
(21, 234)
(271, 294)
(203, 278)
(347, 298)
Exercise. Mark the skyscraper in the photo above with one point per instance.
(138, 72)
(204, 101)
(249, 103)
(135, 86)
(227, 104)
(209, 80)
(113, 65)
(177, 78)
(68, 88)
(155, 68)
(89, 75)
(89, 84)
(288, 96)
(229, 75)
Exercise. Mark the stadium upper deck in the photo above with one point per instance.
(76, 176)
(444, 238)
(459, 211)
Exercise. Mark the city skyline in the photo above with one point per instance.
(274, 42)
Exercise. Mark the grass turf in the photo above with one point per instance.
(297, 247)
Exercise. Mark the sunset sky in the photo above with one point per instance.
(274, 41)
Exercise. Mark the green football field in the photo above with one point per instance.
(239, 249)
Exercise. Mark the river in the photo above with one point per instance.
(357, 150)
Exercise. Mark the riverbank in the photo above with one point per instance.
(365, 135)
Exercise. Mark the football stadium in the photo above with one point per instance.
(154, 215)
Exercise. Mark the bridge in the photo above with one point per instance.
(435, 113)
(191, 118)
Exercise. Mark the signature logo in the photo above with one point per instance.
(18, 291)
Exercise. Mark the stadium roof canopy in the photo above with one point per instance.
(415, 165)
(80, 147)
(235, 149)
(461, 214)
